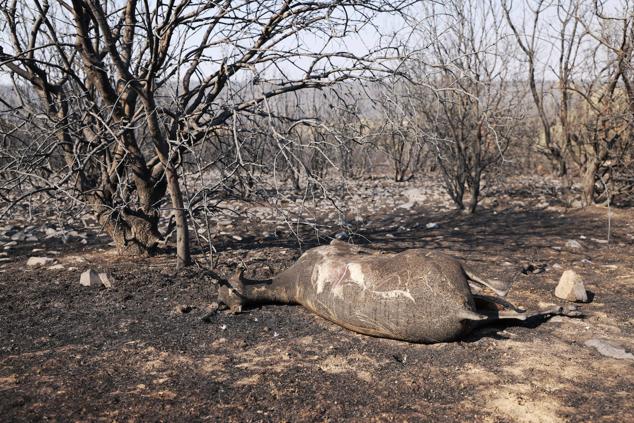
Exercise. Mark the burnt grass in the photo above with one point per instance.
(142, 351)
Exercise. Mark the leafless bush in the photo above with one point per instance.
(110, 97)
(592, 93)
(469, 103)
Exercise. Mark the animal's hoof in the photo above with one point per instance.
(571, 311)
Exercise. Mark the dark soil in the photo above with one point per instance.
(142, 351)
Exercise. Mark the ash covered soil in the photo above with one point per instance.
(141, 351)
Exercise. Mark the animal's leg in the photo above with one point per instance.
(488, 302)
(570, 311)
(498, 287)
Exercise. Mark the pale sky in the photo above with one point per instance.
(382, 28)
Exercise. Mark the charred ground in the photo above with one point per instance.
(141, 351)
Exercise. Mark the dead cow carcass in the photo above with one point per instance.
(415, 295)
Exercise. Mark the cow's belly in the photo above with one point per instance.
(397, 315)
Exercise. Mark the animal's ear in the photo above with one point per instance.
(237, 280)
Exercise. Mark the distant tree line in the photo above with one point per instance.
(136, 110)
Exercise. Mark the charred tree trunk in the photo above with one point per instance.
(183, 252)
(587, 183)
(133, 232)
(474, 195)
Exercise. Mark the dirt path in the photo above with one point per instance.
(141, 352)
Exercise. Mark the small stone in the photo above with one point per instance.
(19, 236)
(573, 244)
(268, 236)
(342, 236)
(89, 277)
(431, 225)
(534, 268)
(56, 267)
(10, 245)
(39, 261)
(570, 287)
(105, 280)
(236, 237)
(184, 308)
(600, 241)
(609, 350)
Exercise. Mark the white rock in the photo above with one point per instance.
(609, 350)
(106, 280)
(39, 261)
(89, 277)
(571, 287)
(19, 236)
(236, 237)
(571, 243)
(600, 241)
(342, 236)
(56, 267)
(431, 225)
(414, 196)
